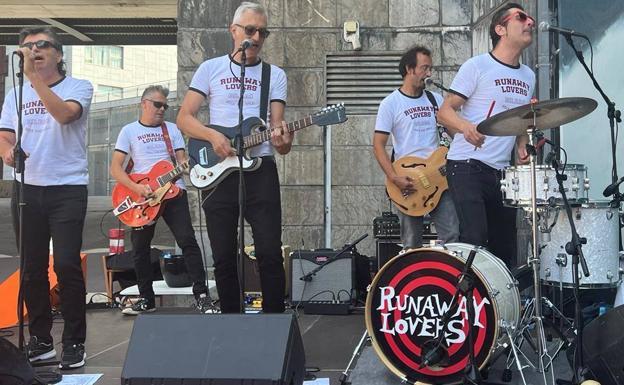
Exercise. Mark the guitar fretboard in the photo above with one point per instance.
(263, 136)
(171, 175)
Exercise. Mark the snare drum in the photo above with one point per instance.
(600, 224)
(516, 184)
(411, 293)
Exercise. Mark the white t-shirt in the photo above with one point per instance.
(146, 145)
(412, 123)
(218, 80)
(488, 84)
(57, 152)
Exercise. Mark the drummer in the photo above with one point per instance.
(486, 85)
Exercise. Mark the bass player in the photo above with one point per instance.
(409, 115)
(147, 141)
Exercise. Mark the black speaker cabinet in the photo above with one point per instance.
(334, 282)
(387, 248)
(172, 349)
(603, 347)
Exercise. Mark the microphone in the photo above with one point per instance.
(434, 353)
(550, 158)
(545, 27)
(429, 82)
(612, 188)
(247, 43)
(19, 53)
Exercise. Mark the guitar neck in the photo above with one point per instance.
(171, 175)
(263, 136)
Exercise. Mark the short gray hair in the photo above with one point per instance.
(248, 6)
(164, 91)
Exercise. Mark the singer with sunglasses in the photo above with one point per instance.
(147, 141)
(54, 121)
(217, 80)
(486, 85)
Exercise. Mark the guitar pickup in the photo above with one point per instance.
(124, 206)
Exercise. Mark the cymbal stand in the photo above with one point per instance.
(534, 259)
(356, 353)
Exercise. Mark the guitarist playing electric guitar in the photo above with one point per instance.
(150, 143)
(414, 182)
(217, 81)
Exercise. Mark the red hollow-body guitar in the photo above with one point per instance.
(135, 210)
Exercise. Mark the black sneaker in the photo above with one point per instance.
(143, 305)
(39, 350)
(205, 304)
(73, 356)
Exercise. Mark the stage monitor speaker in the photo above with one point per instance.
(175, 349)
(387, 248)
(603, 347)
(334, 282)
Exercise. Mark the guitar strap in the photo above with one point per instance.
(167, 139)
(265, 83)
(444, 138)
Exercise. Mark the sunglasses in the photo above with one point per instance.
(519, 15)
(251, 30)
(40, 44)
(158, 105)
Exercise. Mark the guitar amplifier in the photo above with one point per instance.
(387, 249)
(387, 226)
(252, 272)
(334, 282)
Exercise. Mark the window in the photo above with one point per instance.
(104, 55)
(105, 93)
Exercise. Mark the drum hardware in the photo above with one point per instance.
(525, 120)
(356, 353)
(562, 260)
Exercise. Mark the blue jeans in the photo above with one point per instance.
(444, 217)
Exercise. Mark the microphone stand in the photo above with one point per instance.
(613, 115)
(433, 351)
(308, 276)
(239, 145)
(575, 249)
(19, 158)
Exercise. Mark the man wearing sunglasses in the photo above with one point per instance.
(54, 120)
(484, 86)
(217, 80)
(145, 143)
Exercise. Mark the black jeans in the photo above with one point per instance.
(483, 220)
(56, 212)
(178, 218)
(264, 213)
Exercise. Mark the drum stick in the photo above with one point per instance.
(488, 115)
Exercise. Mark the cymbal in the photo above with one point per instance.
(549, 114)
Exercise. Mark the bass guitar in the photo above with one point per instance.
(207, 169)
(429, 178)
(135, 210)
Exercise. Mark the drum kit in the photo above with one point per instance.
(426, 329)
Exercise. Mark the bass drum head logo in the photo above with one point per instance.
(404, 309)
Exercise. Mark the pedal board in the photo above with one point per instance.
(327, 307)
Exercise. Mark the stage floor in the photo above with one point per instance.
(329, 342)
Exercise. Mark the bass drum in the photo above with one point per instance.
(412, 292)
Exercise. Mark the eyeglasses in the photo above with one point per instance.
(251, 30)
(158, 105)
(41, 44)
(519, 15)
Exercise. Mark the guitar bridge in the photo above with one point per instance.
(124, 206)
